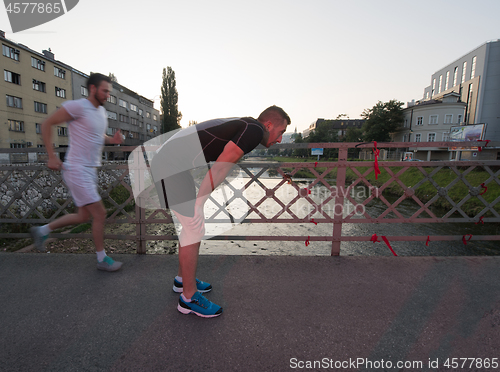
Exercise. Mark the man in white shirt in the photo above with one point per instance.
(87, 123)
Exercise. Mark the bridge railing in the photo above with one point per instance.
(300, 192)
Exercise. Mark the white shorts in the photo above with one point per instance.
(82, 183)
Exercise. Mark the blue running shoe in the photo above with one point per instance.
(200, 306)
(201, 287)
(38, 238)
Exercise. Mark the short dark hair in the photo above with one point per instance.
(275, 115)
(95, 79)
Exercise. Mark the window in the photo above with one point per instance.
(60, 92)
(59, 72)
(440, 83)
(62, 131)
(446, 85)
(38, 128)
(446, 137)
(14, 101)
(12, 77)
(17, 145)
(155, 128)
(433, 87)
(10, 52)
(405, 123)
(16, 125)
(148, 114)
(133, 107)
(133, 121)
(112, 99)
(448, 119)
(112, 115)
(460, 117)
(433, 119)
(38, 85)
(418, 137)
(38, 64)
(140, 111)
(154, 117)
(40, 107)
(84, 91)
(464, 69)
(148, 127)
(122, 103)
(123, 118)
(431, 137)
(455, 74)
(420, 120)
(473, 68)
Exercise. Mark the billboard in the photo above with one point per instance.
(465, 133)
(316, 151)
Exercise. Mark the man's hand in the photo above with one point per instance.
(117, 139)
(54, 163)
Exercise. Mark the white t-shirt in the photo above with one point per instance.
(86, 132)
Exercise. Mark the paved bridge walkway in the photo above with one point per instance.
(58, 313)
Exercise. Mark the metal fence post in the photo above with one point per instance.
(339, 201)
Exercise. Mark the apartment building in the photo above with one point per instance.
(35, 85)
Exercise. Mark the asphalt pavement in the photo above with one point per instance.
(281, 313)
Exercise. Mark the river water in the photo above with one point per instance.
(301, 208)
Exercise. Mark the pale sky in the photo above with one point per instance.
(314, 58)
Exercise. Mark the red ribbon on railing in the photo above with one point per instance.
(314, 222)
(481, 148)
(307, 241)
(306, 191)
(315, 164)
(376, 153)
(374, 238)
(480, 220)
(484, 187)
(387, 242)
(428, 240)
(465, 240)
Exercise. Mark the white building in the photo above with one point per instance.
(467, 91)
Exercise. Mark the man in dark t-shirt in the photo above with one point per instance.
(222, 142)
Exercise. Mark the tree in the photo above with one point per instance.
(299, 152)
(381, 120)
(192, 122)
(113, 77)
(324, 132)
(353, 134)
(169, 97)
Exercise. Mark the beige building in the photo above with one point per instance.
(34, 85)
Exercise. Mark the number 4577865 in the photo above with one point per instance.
(471, 363)
(33, 8)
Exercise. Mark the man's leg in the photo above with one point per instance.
(188, 255)
(98, 213)
(40, 234)
(188, 261)
(81, 216)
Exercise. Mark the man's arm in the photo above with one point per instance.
(218, 172)
(58, 117)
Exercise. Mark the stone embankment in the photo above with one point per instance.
(46, 185)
